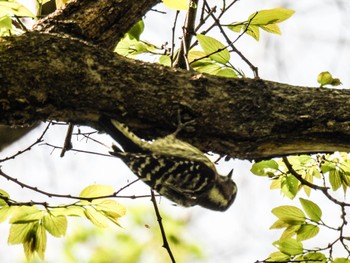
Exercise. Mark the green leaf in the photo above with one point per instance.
(335, 179)
(96, 217)
(96, 190)
(253, 31)
(264, 168)
(290, 186)
(264, 19)
(315, 257)
(227, 72)
(272, 28)
(236, 27)
(290, 247)
(327, 167)
(279, 224)
(3, 194)
(68, 211)
(311, 209)
(177, 4)
(5, 25)
(341, 260)
(209, 68)
(5, 212)
(290, 231)
(111, 207)
(123, 47)
(14, 8)
(35, 242)
(211, 45)
(278, 257)
(270, 16)
(55, 225)
(165, 60)
(19, 232)
(136, 30)
(289, 214)
(324, 78)
(40, 241)
(26, 214)
(307, 231)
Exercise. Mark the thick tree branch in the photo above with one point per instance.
(244, 118)
(102, 22)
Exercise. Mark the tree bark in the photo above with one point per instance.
(51, 76)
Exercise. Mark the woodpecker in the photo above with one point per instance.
(175, 169)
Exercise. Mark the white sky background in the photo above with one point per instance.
(315, 39)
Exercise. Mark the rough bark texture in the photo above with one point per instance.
(47, 76)
(102, 22)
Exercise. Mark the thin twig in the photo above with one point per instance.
(173, 38)
(39, 140)
(50, 195)
(231, 43)
(188, 31)
(159, 219)
(77, 150)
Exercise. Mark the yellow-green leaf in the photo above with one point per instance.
(19, 232)
(218, 51)
(3, 193)
(335, 179)
(165, 60)
(341, 260)
(5, 212)
(289, 214)
(26, 214)
(111, 207)
(14, 8)
(55, 225)
(68, 211)
(35, 241)
(177, 4)
(227, 72)
(40, 241)
(290, 231)
(270, 16)
(136, 30)
(315, 257)
(209, 68)
(307, 231)
(290, 247)
(279, 224)
(96, 217)
(264, 168)
(236, 27)
(96, 190)
(311, 209)
(254, 32)
(61, 3)
(195, 54)
(324, 78)
(272, 28)
(278, 257)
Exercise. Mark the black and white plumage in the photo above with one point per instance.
(175, 169)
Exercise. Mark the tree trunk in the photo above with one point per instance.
(69, 77)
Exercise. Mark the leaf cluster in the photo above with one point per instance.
(214, 57)
(329, 171)
(30, 225)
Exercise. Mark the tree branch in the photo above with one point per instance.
(102, 22)
(242, 118)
